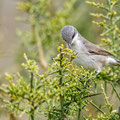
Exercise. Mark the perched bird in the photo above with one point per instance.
(89, 55)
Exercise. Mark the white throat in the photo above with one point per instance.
(75, 38)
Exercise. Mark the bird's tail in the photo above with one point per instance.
(118, 62)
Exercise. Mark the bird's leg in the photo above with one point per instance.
(76, 53)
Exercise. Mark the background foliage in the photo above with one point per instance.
(63, 91)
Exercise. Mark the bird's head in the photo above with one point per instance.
(68, 33)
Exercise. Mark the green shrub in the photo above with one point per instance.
(64, 91)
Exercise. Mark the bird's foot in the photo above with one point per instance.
(76, 53)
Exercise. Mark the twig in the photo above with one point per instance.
(115, 91)
(79, 113)
(32, 106)
(96, 107)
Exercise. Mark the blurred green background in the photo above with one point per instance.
(10, 43)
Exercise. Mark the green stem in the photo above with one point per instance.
(115, 91)
(112, 21)
(31, 81)
(32, 116)
(32, 108)
(62, 107)
(79, 114)
(97, 107)
(61, 84)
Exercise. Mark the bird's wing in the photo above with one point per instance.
(96, 50)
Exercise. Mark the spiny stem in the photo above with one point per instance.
(62, 107)
(32, 106)
(61, 84)
(96, 107)
(115, 91)
(32, 116)
(31, 81)
(79, 114)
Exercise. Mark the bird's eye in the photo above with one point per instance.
(73, 36)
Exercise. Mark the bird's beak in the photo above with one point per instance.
(69, 45)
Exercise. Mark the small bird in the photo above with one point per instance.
(89, 55)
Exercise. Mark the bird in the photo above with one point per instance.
(88, 55)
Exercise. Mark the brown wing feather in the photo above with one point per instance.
(96, 50)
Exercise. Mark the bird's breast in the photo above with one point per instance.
(83, 57)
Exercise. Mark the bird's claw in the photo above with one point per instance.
(76, 53)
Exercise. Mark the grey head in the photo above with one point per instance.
(68, 33)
